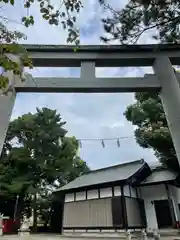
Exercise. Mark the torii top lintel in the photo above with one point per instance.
(102, 55)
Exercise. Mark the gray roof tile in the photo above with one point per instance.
(104, 175)
(160, 175)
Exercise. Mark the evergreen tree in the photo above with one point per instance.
(152, 131)
(35, 159)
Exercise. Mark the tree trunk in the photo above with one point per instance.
(34, 207)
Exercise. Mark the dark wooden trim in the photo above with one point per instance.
(113, 191)
(117, 212)
(90, 199)
(86, 192)
(99, 193)
(57, 210)
(122, 190)
(124, 209)
(130, 193)
(140, 175)
(137, 193)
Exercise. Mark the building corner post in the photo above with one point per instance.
(124, 209)
(170, 97)
(171, 207)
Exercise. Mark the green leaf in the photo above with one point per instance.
(12, 2)
(27, 5)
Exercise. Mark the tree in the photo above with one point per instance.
(128, 25)
(152, 130)
(64, 14)
(139, 16)
(33, 159)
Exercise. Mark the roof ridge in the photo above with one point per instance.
(114, 166)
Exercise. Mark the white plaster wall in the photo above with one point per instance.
(69, 197)
(126, 191)
(117, 191)
(133, 192)
(105, 192)
(80, 196)
(149, 194)
(92, 194)
(178, 194)
(139, 192)
(175, 196)
(130, 191)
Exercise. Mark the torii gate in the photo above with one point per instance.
(160, 57)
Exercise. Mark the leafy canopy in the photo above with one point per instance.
(32, 154)
(64, 14)
(152, 130)
(138, 16)
(127, 25)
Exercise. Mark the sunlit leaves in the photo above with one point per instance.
(28, 21)
(9, 39)
(9, 45)
(139, 16)
(12, 2)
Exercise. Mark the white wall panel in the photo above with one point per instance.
(175, 196)
(80, 196)
(69, 197)
(117, 191)
(133, 192)
(105, 192)
(92, 194)
(126, 191)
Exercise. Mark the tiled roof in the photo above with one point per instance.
(105, 175)
(160, 175)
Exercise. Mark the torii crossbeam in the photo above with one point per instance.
(160, 57)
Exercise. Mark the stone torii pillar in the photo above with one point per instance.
(7, 102)
(170, 97)
(6, 107)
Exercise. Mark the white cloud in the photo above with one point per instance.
(87, 115)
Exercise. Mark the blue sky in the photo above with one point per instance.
(87, 115)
